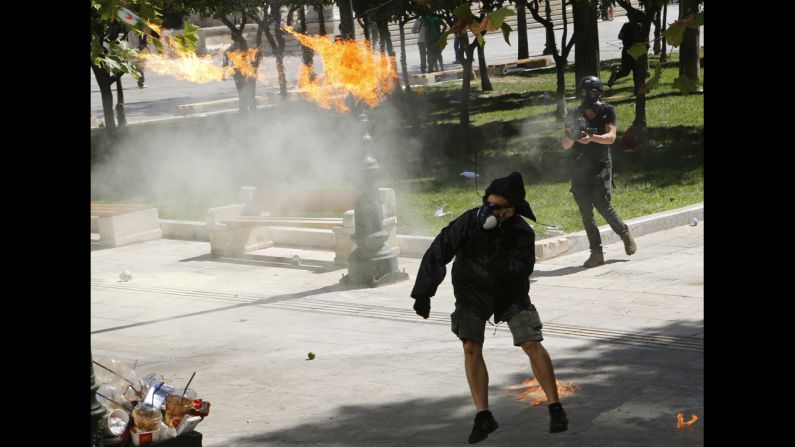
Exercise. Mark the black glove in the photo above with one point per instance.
(423, 307)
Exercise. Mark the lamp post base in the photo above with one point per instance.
(373, 271)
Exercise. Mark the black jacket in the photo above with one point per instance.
(492, 268)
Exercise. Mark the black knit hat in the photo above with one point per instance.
(512, 188)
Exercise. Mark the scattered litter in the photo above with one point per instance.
(296, 260)
(440, 212)
(469, 174)
(125, 276)
(311, 355)
(553, 230)
(154, 411)
(694, 222)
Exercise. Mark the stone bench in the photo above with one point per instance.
(502, 69)
(499, 69)
(436, 76)
(121, 224)
(265, 218)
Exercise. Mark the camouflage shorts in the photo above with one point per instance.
(526, 326)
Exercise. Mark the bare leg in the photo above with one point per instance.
(477, 375)
(542, 369)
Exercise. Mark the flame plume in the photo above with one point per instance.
(349, 67)
(184, 64)
(680, 421)
(531, 392)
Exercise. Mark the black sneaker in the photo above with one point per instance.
(558, 421)
(484, 424)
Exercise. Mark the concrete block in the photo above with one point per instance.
(128, 228)
(230, 241)
(217, 214)
(413, 246)
(549, 248)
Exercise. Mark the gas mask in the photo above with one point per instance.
(486, 217)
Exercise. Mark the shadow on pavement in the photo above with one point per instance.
(569, 270)
(273, 299)
(627, 396)
(312, 265)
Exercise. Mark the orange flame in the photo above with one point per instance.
(184, 64)
(155, 28)
(242, 60)
(349, 66)
(530, 390)
(680, 421)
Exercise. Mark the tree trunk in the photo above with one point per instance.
(689, 61)
(656, 22)
(245, 93)
(403, 64)
(306, 52)
(321, 20)
(346, 19)
(664, 55)
(365, 23)
(560, 71)
(550, 46)
(122, 117)
(586, 39)
(485, 82)
(104, 81)
(282, 75)
(521, 29)
(469, 55)
(385, 37)
(279, 50)
(639, 72)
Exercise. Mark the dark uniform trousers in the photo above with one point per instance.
(588, 197)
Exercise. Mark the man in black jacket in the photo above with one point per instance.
(630, 34)
(494, 252)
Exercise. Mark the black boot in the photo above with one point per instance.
(629, 243)
(597, 258)
(612, 80)
(558, 421)
(484, 424)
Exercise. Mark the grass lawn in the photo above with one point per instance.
(515, 129)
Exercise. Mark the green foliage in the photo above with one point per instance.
(116, 59)
(442, 42)
(674, 34)
(697, 21)
(497, 18)
(676, 31)
(109, 50)
(506, 32)
(189, 36)
(655, 78)
(462, 10)
(637, 50)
